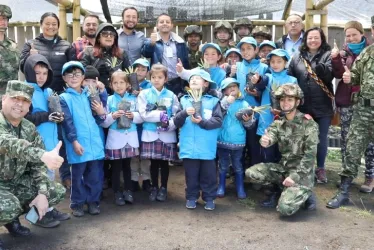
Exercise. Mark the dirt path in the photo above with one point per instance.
(232, 225)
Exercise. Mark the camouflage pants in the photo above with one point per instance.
(15, 198)
(346, 114)
(292, 198)
(360, 134)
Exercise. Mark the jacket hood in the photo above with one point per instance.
(29, 71)
(106, 26)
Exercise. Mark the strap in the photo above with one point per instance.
(316, 78)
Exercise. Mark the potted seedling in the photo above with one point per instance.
(204, 65)
(249, 85)
(162, 107)
(131, 73)
(123, 122)
(54, 105)
(93, 95)
(196, 95)
(249, 111)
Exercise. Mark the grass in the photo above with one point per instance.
(362, 213)
(248, 203)
(334, 155)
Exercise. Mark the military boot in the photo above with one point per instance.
(221, 184)
(311, 203)
(342, 197)
(368, 185)
(273, 197)
(16, 229)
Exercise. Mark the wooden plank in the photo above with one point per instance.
(321, 4)
(29, 34)
(69, 34)
(11, 33)
(37, 31)
(279, 32)
(287, 9)
(180, 29)
(207, 34)
(21, 38)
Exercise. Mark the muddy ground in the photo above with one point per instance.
(233, 225)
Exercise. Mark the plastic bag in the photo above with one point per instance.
(123, 122)
(240, 113)
(249, 85)
(134, 82)
(197, 107)
(54, 104)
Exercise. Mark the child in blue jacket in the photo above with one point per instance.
(198, 140)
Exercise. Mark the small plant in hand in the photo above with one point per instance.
(249, 85)
(196, 95)
(133, 79)
(204, 65)
(123, 122)
(249, 111)
(54, 107)
(94, 95)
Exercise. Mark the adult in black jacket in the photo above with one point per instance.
(50, 45)
(317, 54)
(106, 56)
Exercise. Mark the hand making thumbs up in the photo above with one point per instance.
(265, 140)
(33, 51)
(335, 50)
(154, 36)
(346, 75)
(179, 66)
(52, 159)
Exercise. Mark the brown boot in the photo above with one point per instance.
(67, 184)
(368, 185)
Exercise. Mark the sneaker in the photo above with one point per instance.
(128, 197)
(93, 208)
(321, 175)
(47, 221)
(191, 204)
(78, 211)
(153, 194)
(162, 194)
(368, 185)
(60, 216)
(209, 205)
(118, 199)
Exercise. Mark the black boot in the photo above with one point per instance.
(48, 221)
(342, 197)
(273, 197)
(16, 229)
(311, 203)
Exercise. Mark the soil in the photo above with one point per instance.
(233, 225)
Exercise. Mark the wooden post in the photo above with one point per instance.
(76, 20)
(308, 16)
(69, 5)
(324, 23)
(321, 4)
(287, 9)
(62, 31)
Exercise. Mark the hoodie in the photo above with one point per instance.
(38, 113)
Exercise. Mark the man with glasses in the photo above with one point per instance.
(129, 39)
(90, 24)
(295, 32)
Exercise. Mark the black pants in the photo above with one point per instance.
(253, 147)
(164, 167)
(176, 85)
(117, 166)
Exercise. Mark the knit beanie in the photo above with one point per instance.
(91, 72)
(355, 25)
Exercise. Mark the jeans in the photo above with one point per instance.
(224, 160)
(323, 125)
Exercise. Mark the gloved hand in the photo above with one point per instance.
(56, 117)
(164, 119)
(320, 70)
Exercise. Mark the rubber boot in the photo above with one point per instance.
(342, 197)
(311, 203)
(239, 182)
(273, 197)
(221, 185)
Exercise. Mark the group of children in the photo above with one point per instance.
(218, 108)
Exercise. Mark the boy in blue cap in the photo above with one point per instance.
(264, 49)
(142, 67)
(84, 142)
(232, 56)
(198, 138)
(267, 84)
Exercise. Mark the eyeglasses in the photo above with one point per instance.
(71, 75)
(108, 33)
(294, 23)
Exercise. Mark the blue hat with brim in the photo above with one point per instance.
(268, 43)
(233, 50)
(279, 52)
(248, 40)
(225, 83)
(143, 62)
(72, 64)
(211, 45)
(203, 74)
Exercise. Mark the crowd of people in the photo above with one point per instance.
(115, 101)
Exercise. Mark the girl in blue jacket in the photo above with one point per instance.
(122, 143)
(198, 140)
(231, 139)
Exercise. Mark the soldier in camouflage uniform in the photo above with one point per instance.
(297, 137)
(9, 55)
(243, 28)
(223, 33)
(361, 131)
(23, 160)
(261, 33)
(193, 36)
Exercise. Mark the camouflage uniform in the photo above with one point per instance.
(223, 25)
(22, 175)
(194, 57)
(9, 56)
(297, 140)
(263, 31)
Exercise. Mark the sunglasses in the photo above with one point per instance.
(108, 34)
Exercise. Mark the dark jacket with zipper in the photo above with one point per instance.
(56, 51)
(316, 101)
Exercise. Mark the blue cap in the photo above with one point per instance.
(143, 62)
(71, 64)
(203, 74)
(233, 50)
(228, 81)
(211, 45)
(249, 40)
(279, 52)
(268, 43)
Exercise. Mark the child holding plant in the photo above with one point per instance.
(157, 107)
(199, 124)
(122, 141)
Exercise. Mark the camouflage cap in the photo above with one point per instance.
(5, 11)
(225, 25)
(17, 88)
(289, 89)
(243, 22)
(262, 30)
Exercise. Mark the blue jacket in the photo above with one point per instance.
(155, 52)
(232, 130)
(278, 78)
(198, 141)
(113, 102)
(145, 84)
(80, 125)
(47, 130)
(243, 68)
(218, 75)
